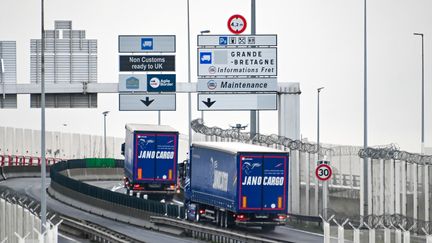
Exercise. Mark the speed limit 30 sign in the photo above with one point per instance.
(323, 172)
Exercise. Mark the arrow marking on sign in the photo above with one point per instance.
(147, 101)
(208, 103)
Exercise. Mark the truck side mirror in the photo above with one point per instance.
(123, 149)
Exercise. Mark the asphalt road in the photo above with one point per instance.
(281, 233)
(31, 187)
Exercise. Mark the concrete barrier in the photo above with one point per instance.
(1, 174)
(95, 174)
(21, 171)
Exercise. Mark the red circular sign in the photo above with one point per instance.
(323, 172)
(237, 24)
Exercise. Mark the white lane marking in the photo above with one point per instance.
(67, 238)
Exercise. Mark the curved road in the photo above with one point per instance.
(31, 187)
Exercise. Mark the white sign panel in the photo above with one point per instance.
(132, 83)
(237, 85)
(237, 40)
(237, 62)
(146, 43)
(221, 102)
(146, 102)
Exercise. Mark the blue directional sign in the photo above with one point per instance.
(205, 57)
(223, 40)
(161, 82)
(146, 43)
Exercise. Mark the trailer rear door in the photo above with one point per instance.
(263, 183)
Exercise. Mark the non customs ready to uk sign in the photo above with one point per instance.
(237, 62)
(147, 63)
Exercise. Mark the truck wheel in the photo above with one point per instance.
(268, 228)
(217, 217)
(225, 223)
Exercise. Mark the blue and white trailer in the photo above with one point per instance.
(236, 183)
(151, 154)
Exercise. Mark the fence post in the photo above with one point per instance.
(326, 228)
(371, 233)
(307, 182)
(341, 230)
(406, 236)
(426, 191)
(2, 218)
(21, 239)
(398, 236)
(387, 235)
(356, 232)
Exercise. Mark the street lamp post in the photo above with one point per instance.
(422, 101)
(105, 113)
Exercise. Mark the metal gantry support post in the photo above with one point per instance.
(43, 157)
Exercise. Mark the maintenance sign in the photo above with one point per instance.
(237, 85)
(237, 62)
(147, 63)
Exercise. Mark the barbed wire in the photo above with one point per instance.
(393, 152)
(392, 221)
(269, 140)
(386, 152)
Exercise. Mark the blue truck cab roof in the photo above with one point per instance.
(149, 128)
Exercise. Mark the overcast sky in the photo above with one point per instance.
(320, 43)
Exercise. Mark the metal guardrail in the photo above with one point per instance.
(109, 196)
(211, 234)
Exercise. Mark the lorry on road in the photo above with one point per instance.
(236, 184)
(151, 154)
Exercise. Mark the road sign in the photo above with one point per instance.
(237, 62)
(237, 85)
(237, 40)
(161, 82)
(237, 24)
(237, 102)
(132, 83)
(147, 83)
(147, 63)
(147, 102)
(323, 172)
(146, 43)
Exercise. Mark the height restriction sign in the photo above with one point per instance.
(237, 24)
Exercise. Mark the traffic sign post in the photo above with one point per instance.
(323, 172)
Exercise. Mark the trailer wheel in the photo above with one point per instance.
(197, 216)
(217, 217)
(225, 222)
